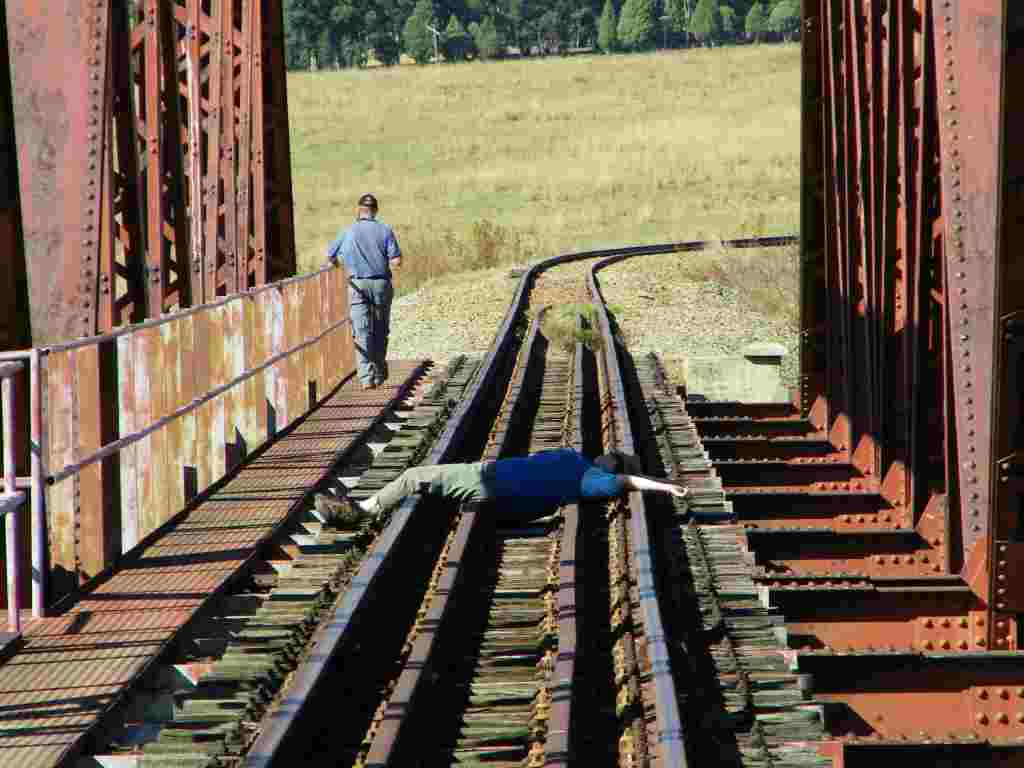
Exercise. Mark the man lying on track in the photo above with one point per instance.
(523, 488)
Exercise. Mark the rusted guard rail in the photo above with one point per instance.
(129, 428)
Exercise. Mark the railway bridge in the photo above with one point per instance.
(843, 586)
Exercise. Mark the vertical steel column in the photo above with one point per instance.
(814, 221)
(1007, 553)
(281, 246)
(59, 53)
(243, 242)
(193, 70)
(969, 50)
(227, 232)
(215, 271)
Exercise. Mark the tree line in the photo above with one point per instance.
(347, 33)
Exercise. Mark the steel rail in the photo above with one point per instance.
(559, 742)
(671, 740)
(264, 752)
(416, 670)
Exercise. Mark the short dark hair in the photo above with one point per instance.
(619, 463)
(368, 201)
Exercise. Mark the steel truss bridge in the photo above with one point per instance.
(172, 394)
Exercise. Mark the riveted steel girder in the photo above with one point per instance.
(912, 292)
(153, 166)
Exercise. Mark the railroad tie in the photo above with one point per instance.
(216, 720)
(764, 707)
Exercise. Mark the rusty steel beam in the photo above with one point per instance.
(914, 286)
(154, 170)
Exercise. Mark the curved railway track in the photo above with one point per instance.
(449, 638)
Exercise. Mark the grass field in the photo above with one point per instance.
(484, 163)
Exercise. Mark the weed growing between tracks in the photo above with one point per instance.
(488, 163)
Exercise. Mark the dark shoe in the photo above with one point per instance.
(339, 512)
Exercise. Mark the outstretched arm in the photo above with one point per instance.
(640, 483)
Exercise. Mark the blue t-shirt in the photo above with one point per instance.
(549, 479)
(366, 248)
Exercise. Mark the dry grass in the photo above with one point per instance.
(488, 163)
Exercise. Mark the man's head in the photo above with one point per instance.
(619, 463)
(367, 206)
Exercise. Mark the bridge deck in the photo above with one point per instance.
(74, 666)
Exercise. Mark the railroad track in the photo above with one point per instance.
(453, 639)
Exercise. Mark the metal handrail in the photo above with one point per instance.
(11, 501)
(116, 445)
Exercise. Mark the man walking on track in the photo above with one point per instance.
(523, 488)
(369, 250)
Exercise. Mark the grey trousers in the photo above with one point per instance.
(458, 482)
(369, 302)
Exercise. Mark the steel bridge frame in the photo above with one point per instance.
(153, 157)
(911, 300)
(151, 174)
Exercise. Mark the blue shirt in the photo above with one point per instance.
(366, 248)
(550, 479)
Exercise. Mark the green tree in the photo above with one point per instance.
(485, 36)
(457, 43)
(728, 21)
(636, 23)
(418, 40)
(706, 23)
(757, 22)
(679, 12)
(785, 18)
(606, 27)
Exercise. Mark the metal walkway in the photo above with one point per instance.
(74, 666)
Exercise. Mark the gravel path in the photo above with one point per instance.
(657, 309)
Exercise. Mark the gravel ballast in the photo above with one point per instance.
(657, 307)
